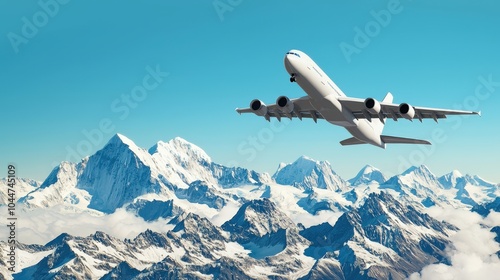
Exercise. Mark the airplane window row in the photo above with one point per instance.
(293, 53)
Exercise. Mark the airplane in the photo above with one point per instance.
(364, 119)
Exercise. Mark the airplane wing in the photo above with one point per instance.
(390, 110)
(302, 108)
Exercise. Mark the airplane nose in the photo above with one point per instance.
(288, 65)
(290, 60)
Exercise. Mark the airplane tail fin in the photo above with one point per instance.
(377, 124)
(388, 98)
(400, 140)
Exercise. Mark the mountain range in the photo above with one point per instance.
(305, 221)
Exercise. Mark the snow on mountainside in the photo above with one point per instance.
(419, 184)
(259, 224)
(202, 193)
(471, 189)
(59, 187)
(183, 163)
(367, 175)
(93, 256)
(306, 173)
(305, 222)
(117, 174)
(194, 248)
(383, 239)
(121, 172)
(22, 187)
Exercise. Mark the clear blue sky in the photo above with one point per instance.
(66, 68)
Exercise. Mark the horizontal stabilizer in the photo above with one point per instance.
(400, 140)
(351, 141)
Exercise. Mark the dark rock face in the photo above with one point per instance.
(155, 209)
(201, 192)
(484, 209)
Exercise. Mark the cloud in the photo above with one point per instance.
(473, 250)
(39, 226)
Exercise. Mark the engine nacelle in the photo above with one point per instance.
(258, 107)
(372, 106)
(406, 111)
(285, 104)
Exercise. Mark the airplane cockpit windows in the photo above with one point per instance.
(293, 53)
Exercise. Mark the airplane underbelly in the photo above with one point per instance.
(312, 85)
(365, 132)
(329, 107)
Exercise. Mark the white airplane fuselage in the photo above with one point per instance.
(324, 94)
(364, 119)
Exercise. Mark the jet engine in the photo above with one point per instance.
(285, 104)
(258, 107)
(372, 105)
(406, 111)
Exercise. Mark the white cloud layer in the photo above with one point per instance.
(473, 254)
(40, 226)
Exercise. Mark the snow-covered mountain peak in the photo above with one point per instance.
(120, 138)
(59, 187)
(368, 168)
(189, 149)
(149, 237)
(181, 141)
(181, 150)
(305, 160)
(120, 144)
(265, 230)
(60, 239)
(257, 218)
(121, 171)
(118, 173)
(383, 208)
(419, 183)
(420, 175)
(23, 187)
(455, 178)
(420, 170)
(192, 223)
(60, 172)
(450, 180)
(304, 163)
(368, 174)
(306, 173)
(455, 173)
(281, 165)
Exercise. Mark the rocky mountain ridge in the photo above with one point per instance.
(304, 222)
